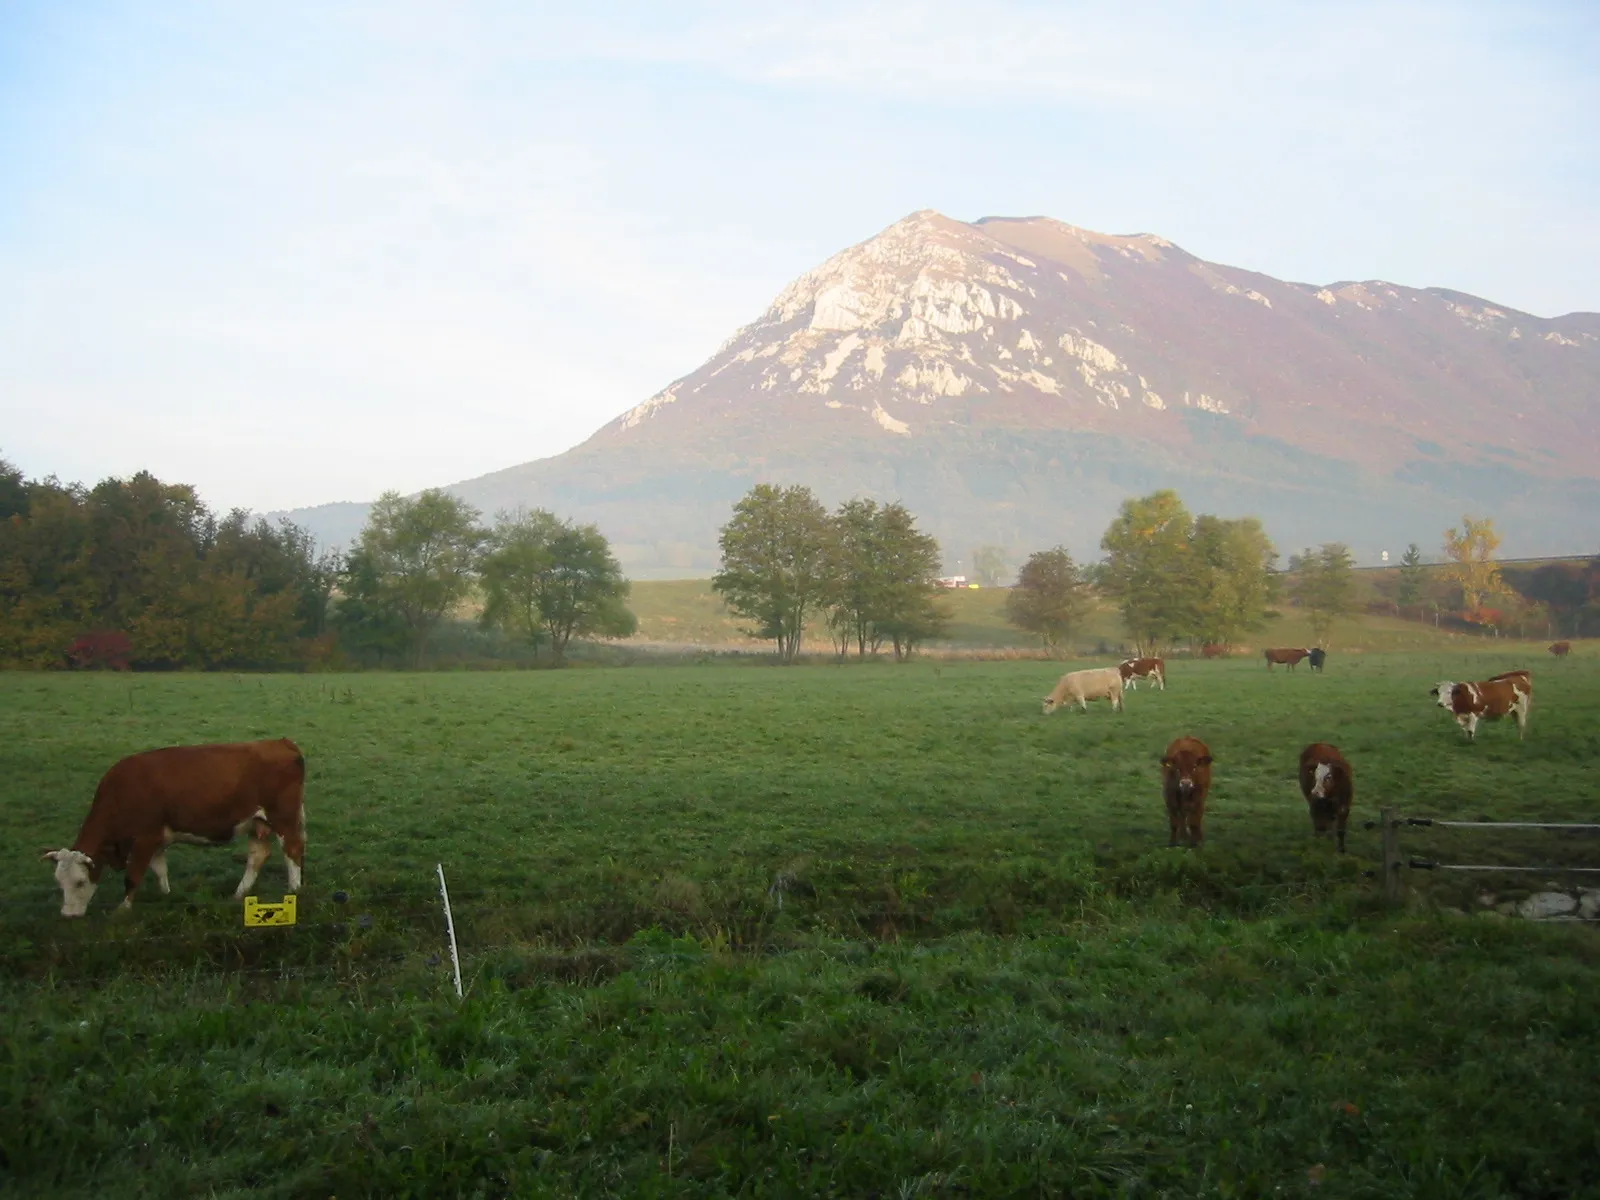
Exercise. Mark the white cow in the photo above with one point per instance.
(1100, 683)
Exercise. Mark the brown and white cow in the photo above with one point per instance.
(1328, 784)
(205, 795)
(1135, 669)
(1213, 650)
(1288, 656)
(1561, 649)
(1185, 780)
(1510, 692)
(1080, 687)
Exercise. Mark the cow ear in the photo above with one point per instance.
(1166, 762)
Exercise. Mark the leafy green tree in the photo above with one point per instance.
(854, 576)
(777, 562)
(145, 565)
(1234, 563)
(1324, 584)
(1150, 569)
(365, 617)
(1408, 587)
(1471, 553)
(1050, 598)
(883, 579)
(905, 609)
(421, 555)
(990, 566)
(549, 580)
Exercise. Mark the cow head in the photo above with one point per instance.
(1050, 703)
(1183, 766)
(1444, 692)
(1320, 779)
(78, 876)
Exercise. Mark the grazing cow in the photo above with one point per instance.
(1185, 780)
(1328, 785)
(1317, 657)
(1135, 669)
(1561, 649)
(1213, 650)
(1510, 692)
(1286, 655)
(1100, 683)
(205, 795)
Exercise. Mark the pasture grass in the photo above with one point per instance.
(812, 931)
(688, 612)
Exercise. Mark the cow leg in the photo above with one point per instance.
(1469, 722)
(294, 850)
(158, 864)
(1173, 825)
(1343, 817)
(260, 850)
(291, 831)
(144, 849)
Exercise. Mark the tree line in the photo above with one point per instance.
(138, 573)
(1175, 577)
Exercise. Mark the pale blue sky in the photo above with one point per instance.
(294, 253)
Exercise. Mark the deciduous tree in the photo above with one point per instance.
(905, 609)
(990, 566)
(550, 580)
(1324, 584)
(1150, 569)
(1236, 582)
(1471, 553)
(421, 554)
(776, 562)
(1050, 598)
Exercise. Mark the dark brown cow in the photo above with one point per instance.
(206, 795)
(1561, 649)
(1185, 780)
(1288, 656)
(1135, 669)
(1509, 692)
(1328, 785)
(1213, 650)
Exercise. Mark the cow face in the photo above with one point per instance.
(1182, 767)
(75, 873)
(1320, 780)
(1444, 692)
(1049, 705)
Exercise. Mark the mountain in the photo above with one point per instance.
(1013, 379)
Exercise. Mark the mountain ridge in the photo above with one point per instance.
(1012, 379)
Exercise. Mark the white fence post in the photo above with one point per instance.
(450, 928)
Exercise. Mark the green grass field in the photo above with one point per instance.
(688, 612)
(855, 930)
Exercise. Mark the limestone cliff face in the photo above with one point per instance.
(1036, 324)
(1012, 379)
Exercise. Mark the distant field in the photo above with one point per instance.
(818, 930)
(687, 611)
